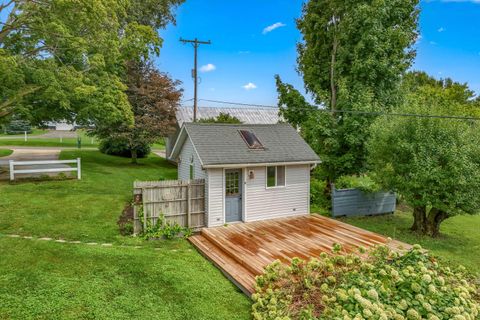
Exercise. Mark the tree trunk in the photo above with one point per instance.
(134, 156)
(434, 219)
(419, 219)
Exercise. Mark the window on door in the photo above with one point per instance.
(275, 176)
(232, 183)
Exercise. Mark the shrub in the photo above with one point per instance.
(381, 285)
(165, 229)
(18, 126)
(221, 118)
(318, 195)
(118, 147)
(363, 183)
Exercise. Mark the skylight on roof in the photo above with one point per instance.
(250, 139)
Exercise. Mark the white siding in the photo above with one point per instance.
(215, 197)
(185, 158)
(291, 200)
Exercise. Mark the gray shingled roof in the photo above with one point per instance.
(250, 115)
(222, 144)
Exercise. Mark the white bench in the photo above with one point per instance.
(13, 164)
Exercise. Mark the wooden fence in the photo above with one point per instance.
(178, 201)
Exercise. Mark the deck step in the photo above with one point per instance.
(234, 271)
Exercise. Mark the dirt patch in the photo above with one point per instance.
(125, 221)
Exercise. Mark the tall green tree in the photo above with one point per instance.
(73, 54)
(352, 58)
(433, 163)
(154, 98)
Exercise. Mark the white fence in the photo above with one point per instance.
(13, 164)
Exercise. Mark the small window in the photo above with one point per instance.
(251, 139)
(275, 176)
(192, 169)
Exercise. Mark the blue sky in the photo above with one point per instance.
(242, 53)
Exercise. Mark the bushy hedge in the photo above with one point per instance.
(363, 183)
(381, 285)
(118, 147)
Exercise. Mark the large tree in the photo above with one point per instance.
(433, 163)
(352, 58)
(72, 54)
(154, 98)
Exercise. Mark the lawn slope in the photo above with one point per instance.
(459, 242)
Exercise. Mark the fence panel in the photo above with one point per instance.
(353, 202)
(46, 169)
(179, 201)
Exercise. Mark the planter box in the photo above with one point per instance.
(353, 202)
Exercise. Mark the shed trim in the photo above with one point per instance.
(260, 164)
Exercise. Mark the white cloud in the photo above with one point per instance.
(207, 68)
(249, 86)
(243, 52)
(272, 27)
(441, 29)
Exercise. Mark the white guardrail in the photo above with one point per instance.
(13, 164)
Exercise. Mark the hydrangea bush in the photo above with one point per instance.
(382, 284)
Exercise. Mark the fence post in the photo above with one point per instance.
(144, 207)
(189, 207)
(25, 136)
(12, 173)
(79, 169)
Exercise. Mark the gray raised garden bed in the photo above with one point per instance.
(354, 202)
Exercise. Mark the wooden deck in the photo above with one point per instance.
(241, 251)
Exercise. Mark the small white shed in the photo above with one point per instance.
(251, 172)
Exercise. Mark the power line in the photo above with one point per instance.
(356, 112)
(240, 104)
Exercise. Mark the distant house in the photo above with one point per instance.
(247, 115)
(61, 126)
(252, 172)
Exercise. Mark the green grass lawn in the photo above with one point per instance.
(49, 280)
(458, 244)
(41, 280)
(5, 152)
(78, 210)
(87, 142)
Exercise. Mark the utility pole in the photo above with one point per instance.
(196, 43)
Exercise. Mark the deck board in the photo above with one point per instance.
(242, 251)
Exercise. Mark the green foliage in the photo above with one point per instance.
(165, 229)
(358, 46)
(352, 58)
(18, 127)
(318, 197)
(154, 98)
(72, 54)
(363, 183)
(221, 118)
(433, 163)
(293, 106)
(382, 285)
(118, 147)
